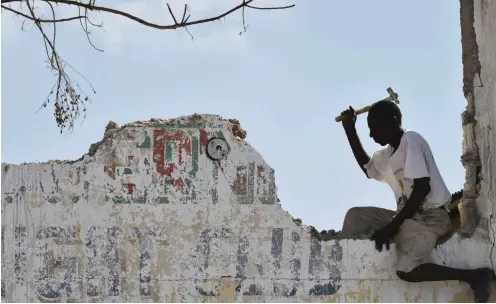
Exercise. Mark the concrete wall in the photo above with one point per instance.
(478, 29)
(483, 92)
(148, 217)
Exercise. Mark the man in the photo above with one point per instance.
(408, 167)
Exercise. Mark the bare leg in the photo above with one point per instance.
(478, 279)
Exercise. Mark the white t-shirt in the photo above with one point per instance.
(413, 159)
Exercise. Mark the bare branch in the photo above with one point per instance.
(41, 20)
(84, 26)
(171, 13)
(243, 18)
(271, 8)
(93, 7)
(184, 13)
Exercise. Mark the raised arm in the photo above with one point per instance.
(361, 156)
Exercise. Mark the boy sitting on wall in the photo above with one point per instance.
(408, 167)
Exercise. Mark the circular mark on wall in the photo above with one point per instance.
(217, 148)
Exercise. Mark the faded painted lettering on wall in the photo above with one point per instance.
(149, 216)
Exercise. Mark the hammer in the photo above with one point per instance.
(392, 97)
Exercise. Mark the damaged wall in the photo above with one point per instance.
(149, 217)
(146, 216)
(478, 29)
(478, 22)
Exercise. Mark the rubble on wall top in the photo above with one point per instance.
(112, 128)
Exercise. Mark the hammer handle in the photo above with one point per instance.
(362, 110)
(357, 112)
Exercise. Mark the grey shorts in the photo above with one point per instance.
(415, 239)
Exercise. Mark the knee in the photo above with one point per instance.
(405, 276)
(352, 221)
(353, 214)
(402, 275)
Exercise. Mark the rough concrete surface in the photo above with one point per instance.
(469, 216)
(484, 96)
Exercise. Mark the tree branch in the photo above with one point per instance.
(271, 8)
(176, 25)
(41, 20)
(68, 98)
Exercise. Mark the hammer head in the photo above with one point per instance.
(392, 96)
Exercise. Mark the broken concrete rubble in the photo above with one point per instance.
(235, 127)
(112, 127)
